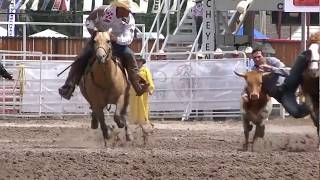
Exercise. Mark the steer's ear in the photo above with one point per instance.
(239, 74)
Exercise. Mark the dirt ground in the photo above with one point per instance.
(69, 149)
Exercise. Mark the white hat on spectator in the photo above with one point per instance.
(248, 50)
(218, 51)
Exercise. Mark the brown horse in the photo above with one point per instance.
(310, 84)
(106, 83)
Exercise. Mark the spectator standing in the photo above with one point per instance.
(197, 13)
(139, 105)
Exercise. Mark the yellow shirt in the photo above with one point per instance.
(139, 105)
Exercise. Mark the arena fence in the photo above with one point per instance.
(184, 89)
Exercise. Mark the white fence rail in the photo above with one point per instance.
(184, 89)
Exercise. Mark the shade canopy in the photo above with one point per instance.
(48, 33)
(257, 34)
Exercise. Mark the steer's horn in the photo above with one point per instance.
(239, 74)
(266, 73)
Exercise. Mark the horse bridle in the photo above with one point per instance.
(107, 52)
(108, 56)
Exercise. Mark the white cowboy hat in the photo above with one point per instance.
(248, 50)
(127, 4)
(218, 51)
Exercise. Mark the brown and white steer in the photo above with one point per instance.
(257, 108)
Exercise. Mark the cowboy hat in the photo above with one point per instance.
(248, 50)
(126, 4)
(139, 58)
(218, 51)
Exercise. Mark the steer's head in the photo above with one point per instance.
(254, 83)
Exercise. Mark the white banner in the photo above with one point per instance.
(87, 5)
(85, 32)
(201, 84)
(98, 3)
(180, 86)
(302, 5)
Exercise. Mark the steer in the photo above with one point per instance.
(257, 108)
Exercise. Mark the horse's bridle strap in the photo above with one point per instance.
(107, 52)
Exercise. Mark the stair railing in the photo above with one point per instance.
(156, 20)
(166, 20)
(195, 43)
(156, 42)
(179, 21)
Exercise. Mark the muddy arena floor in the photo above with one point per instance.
(69, 149)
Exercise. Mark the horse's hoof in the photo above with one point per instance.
(109, 132)
(245, 147)
(94, 124)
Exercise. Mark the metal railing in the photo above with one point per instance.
(139, 27)
(41, 98)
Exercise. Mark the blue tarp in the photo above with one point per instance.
(257, 34)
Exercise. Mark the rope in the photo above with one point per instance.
(21, 78)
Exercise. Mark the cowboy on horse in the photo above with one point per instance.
(118, 17)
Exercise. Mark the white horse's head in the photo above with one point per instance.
(314, 47)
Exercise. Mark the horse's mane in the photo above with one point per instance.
(314, 38)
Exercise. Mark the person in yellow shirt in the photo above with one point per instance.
(139, 105)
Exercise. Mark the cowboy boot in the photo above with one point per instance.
(137, 82)
(76, 71)
(67, 89)
(4, 73)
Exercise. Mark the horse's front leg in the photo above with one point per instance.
(104, 128)
(118, 113)
(122, 105)
(94, 121)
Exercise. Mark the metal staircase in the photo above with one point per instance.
(183, 37)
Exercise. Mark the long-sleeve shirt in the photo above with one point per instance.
(105, 17)
(197, 9)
